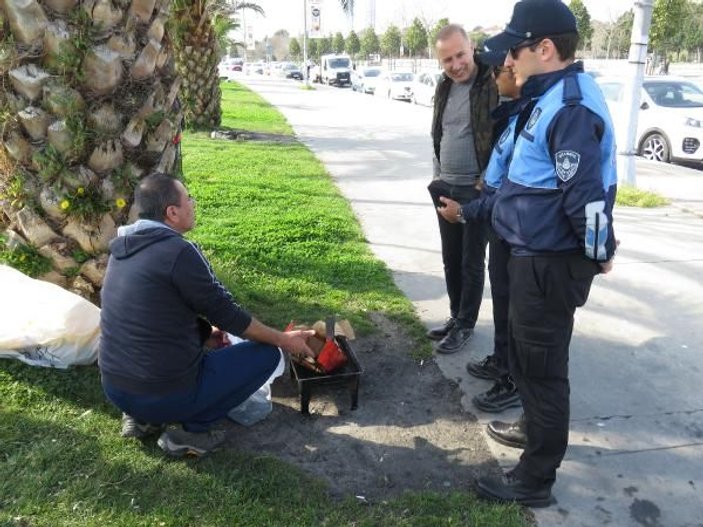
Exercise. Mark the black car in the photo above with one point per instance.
(291, 71)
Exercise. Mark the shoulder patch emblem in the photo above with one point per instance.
(533, 118)
(567, 163)
(504, 136)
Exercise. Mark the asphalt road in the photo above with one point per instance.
(636, 444)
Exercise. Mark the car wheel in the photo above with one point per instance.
(655, 147)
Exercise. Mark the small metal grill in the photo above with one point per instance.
(348, 375)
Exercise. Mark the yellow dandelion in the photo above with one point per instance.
(120, 203)
(80, 191)
(65, 204)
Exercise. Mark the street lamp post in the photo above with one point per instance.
(306, 69)
(633, 89)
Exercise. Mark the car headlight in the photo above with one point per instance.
(696, 123)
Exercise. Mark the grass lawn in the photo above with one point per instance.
(286, 243)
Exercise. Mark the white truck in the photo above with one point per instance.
(335, 70)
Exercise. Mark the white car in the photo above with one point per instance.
(670, 123)
(228, 69)
(396, 85)
(365, 79)
(425, 86)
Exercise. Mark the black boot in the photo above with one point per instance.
(511, 487)
(439, 332)
(455, 340)
(501, 396)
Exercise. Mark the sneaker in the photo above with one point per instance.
(133, 428)
(501, 396)
(455, 340)
(488, 368)
(177, 442)
(439, 332)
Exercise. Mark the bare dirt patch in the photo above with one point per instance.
(408, 433)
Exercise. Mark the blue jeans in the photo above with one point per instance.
(228, 377)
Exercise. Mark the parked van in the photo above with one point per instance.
(335, 70)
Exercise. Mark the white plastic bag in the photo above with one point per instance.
(42, 324)
(259, 404)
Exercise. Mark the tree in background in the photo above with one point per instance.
(313, 48)
(324, 45)
(583, 22)
(338, 43)
(280, 45)
(369, 43)
(432, 34)
(478, 37)
(294, 49)
(668, 17)
(352, 44)
(415, 38)
(692, 30)
(390, 42)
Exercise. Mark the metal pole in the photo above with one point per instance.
(306, 69)
(633, 88)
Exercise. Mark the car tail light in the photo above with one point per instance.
(690, 145)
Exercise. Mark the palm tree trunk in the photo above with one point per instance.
(88, 105)
(197, 57)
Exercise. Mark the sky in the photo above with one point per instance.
(288, 14)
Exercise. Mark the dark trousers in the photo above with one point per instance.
(463, 255)
(498, 257)
(544, 294)
(228, 376)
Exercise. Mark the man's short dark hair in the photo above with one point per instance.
(566, 45)
(450, 29)
(154, 194)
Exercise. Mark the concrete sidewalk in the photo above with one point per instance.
(636, 444)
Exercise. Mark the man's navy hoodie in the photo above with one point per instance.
(158, 288)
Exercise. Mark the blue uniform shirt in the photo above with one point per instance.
(561, 184)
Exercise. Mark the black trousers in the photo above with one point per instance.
(464, 258)
(498, 257)
(544, 294)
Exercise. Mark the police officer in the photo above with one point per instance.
(555, 211)
(503, 394)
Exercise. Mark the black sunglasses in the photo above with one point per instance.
(532, 44)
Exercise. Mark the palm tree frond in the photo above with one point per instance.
(347, 6)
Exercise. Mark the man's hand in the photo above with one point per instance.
(606, 267)
(295, 342)
(218, 339)
(451, 210)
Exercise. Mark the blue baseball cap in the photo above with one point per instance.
(533, 19)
